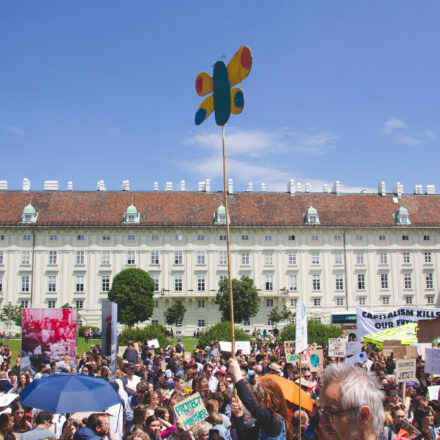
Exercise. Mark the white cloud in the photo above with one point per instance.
(403, 134)
(14, 129)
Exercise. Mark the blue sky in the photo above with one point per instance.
(339, 90)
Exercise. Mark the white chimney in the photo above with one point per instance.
(51, 185)
(430, 189)
(230, 186)
(308, 187)
(101, 186)
(208, 185)
(250, 187)
(298, 187)
(291, 187)
(325, 188)
(125, 185)
(201, 186)
(156, 186)
(418, 189)
(336, 188)
(69, 185)
(3, 185)
(263, 187)
(26, 186)
(398, 189)
(182, 185)
(382, 189)
(168, 186)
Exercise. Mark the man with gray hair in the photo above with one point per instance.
(351, 402)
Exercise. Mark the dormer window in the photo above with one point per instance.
(132, 215)
(220, 215)
(402, 216)
(311, 216)
(29, 214)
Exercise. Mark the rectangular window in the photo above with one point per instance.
(51, 283)
(268, 259)
(382, 237)
(245, 237)
(201, 257)
(408, 299)
(201, 283)
(25, 304)
(223, 257)
(222, 237)
(315, 237)
(178, 283)
(131, 257)
(2, 237)
(384, 281)
(79, 257)
(131, 237)
(383, 258)
(25, 257)
(270, 322)
(291, 258)
(200, 237)
(426, 237)
(178, 237)
(201, 304)
(25, 283)
(80, 237)
(429, 280)
(316, 302)
(268, 282)
(53, 237)
(407, 280)
(1, 257)
(338, 257)
(315, 257)
(106, 237)
(79, 283)
(293, 282)
(268, 237)
(222, 278)
(337, 237)
(154, 237)
(52, 257)
(1, 283)
(430, 299)
(154, 258)
(105, 283)
(428, 257)
(361, 281)
(27, 237)
(154, 321)
(362, 301)
(405, 237)
(293, 302)
(359, 237)
(156, 303)
(339, 278)
(360, 258)
(79, 304)
(291, 238)
(51, 304)
(155, 278)
(105, 258)
(316, 282)
(340, 301)
(245, 258)
(385, 300)
(246, 323)
(269, 302)
(178, 257)
(406, 257)
(201, 323)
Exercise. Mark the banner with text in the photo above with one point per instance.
(371, 322)
(405, 370)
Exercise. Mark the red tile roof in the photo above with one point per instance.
(197, 208)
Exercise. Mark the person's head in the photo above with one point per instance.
(6, 422)
(222, 386)
(423, 417)
(152, 426)
(151, 399)
(300, 422)
(130, 369)
(17, 412)
(13, 377)
(351, 401)
(399, 416)
(162, 413)
(435, 405)
(392, 395)
(208, 368)
(142, 388)
(140, 414)
(179, 383)
(201, 430)
(268, 394)
(44, 418)
(99, 423)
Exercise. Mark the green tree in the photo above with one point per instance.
(277, 316)
(11, 314)
(316, 332)
(221, 332)
(175, 313)
(245, 297)
(132, 290)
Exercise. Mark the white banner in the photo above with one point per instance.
(244, 346)
(353, 348)
(301, 328)
(357, 359)
(371, 322)
(432, 361)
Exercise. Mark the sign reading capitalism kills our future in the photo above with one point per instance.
(371, 322)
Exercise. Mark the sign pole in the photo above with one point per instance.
(299, 400)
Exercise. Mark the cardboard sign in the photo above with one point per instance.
(154, 343)
(428, 329)
(405, 370)
(360, 358)
(432, 361)
(353, 348)
(316, 360)
(433, 392)
(337, 347)
(399, 352)
(187, 356)
(411, 352)
(191, 411)
(244, 346)
(289, 351)
(391, 342)
(390, 350)
(121, 350)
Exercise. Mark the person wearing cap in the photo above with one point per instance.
(41, 431)
(274, 368)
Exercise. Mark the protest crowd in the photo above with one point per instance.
(167, 393)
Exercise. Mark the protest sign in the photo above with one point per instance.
(301, 328)
(357, 359)
(121, 350)
(411, 352)
(399, 352)
(337, 347)
(187, 356)
(433, 392)
(191, 411)
(353, 347)
(421, 348)
(244, 346)
(109, 335)
(289, 351)
(428, 329)
(432, 361)
(154, 343)
(370, 322)
(316, 360)
(391, 342)
(390, 349)
(405, 370)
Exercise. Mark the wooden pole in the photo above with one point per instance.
(404, 394)
(299, 400)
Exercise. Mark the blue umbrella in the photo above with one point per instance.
(65, 393)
